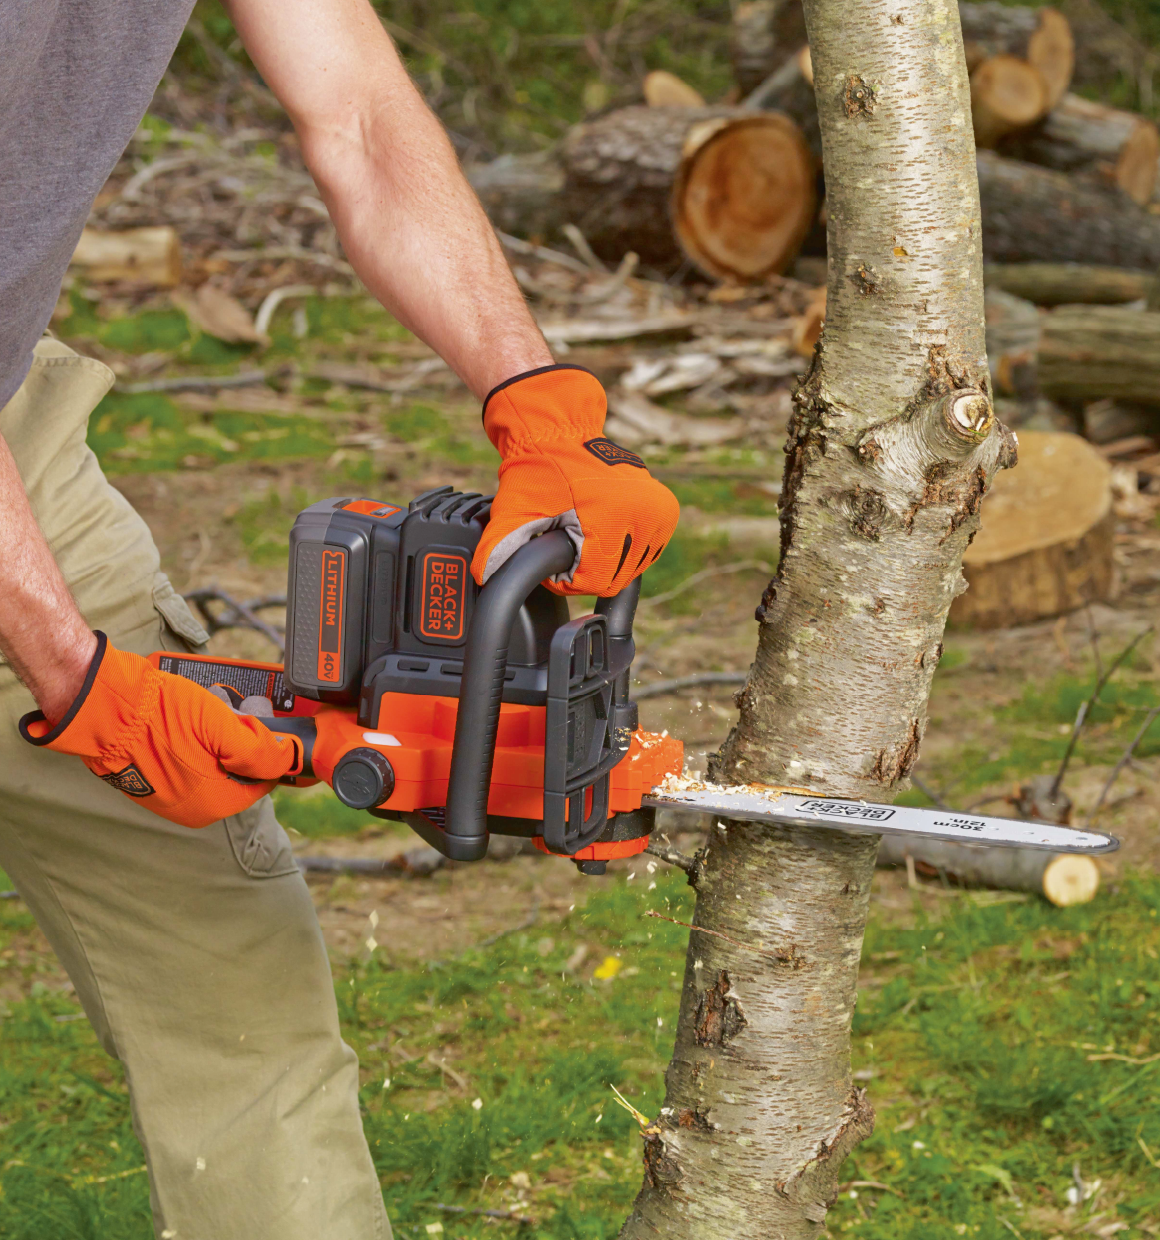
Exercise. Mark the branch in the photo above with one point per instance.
(1125, 758)
(663, 687)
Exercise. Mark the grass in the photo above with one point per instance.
(1007, 1043)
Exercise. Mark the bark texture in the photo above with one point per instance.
(891, 447)
(1033, 214)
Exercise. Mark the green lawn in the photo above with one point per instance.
(1003, 1045)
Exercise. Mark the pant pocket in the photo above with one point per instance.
(260, 845)
(175, 613)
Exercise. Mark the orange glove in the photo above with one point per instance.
(166, 741)
(559, 472)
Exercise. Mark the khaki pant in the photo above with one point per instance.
(196, 954)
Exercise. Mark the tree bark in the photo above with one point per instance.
(1109, 146)
(1033, 214)
(731, 190)
(1093, 352)
(1040, 37)
(892, 445)
(1073, 284)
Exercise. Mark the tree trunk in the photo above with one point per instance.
(763, 36)
(1106, 145)
(1033, 214)
(731, 190)
(1073, 284)
(891, 447)
(1041, 38)
(1092, 352)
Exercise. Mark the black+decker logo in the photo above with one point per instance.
(613, 454)
(444, 583)
(131, 782)
(331, 616)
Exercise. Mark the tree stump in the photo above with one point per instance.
(1107, 145)
(731, 190)
(1033, 214)
(1097, 352)
(1044, 545)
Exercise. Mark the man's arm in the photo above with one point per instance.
(42, 634)
(408, 220)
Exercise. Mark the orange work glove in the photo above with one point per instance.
(559, 472)
(166, 741)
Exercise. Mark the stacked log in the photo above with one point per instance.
(764, 34)
(1060, 284)
(1020, 61)
(730, 190)
(1033, 214)
(1097, 352)
(1106, 145)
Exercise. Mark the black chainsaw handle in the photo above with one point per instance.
(481, 686)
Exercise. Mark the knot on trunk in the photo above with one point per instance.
(889, 767)
(813, 1188)
(719, 1017)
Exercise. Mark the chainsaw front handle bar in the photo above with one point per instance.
(481, 685)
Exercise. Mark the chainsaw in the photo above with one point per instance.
(464, 711)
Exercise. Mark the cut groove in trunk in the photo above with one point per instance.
(1058, 284)
(1044, 545)
(1033, 214)
(892, 445)
(1105, 144)
(1093, 352)
(1040, 37)
(732, 191)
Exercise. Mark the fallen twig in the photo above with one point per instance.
(929, 792)
(1082, 713)
(195, 383)
(1125, 758)
(739, 566)
(238, 615)
(509, 1215)
(517, 246)
(418, 862)
(663, 687)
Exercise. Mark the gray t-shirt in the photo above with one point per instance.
(75, 79)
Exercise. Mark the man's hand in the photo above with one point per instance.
(559, 472)
(165, 741)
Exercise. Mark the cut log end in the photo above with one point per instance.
(1137, 164)
(1007, 94)
(666, 90)
(1051, 49)
(1071, 879)
(745, 196)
